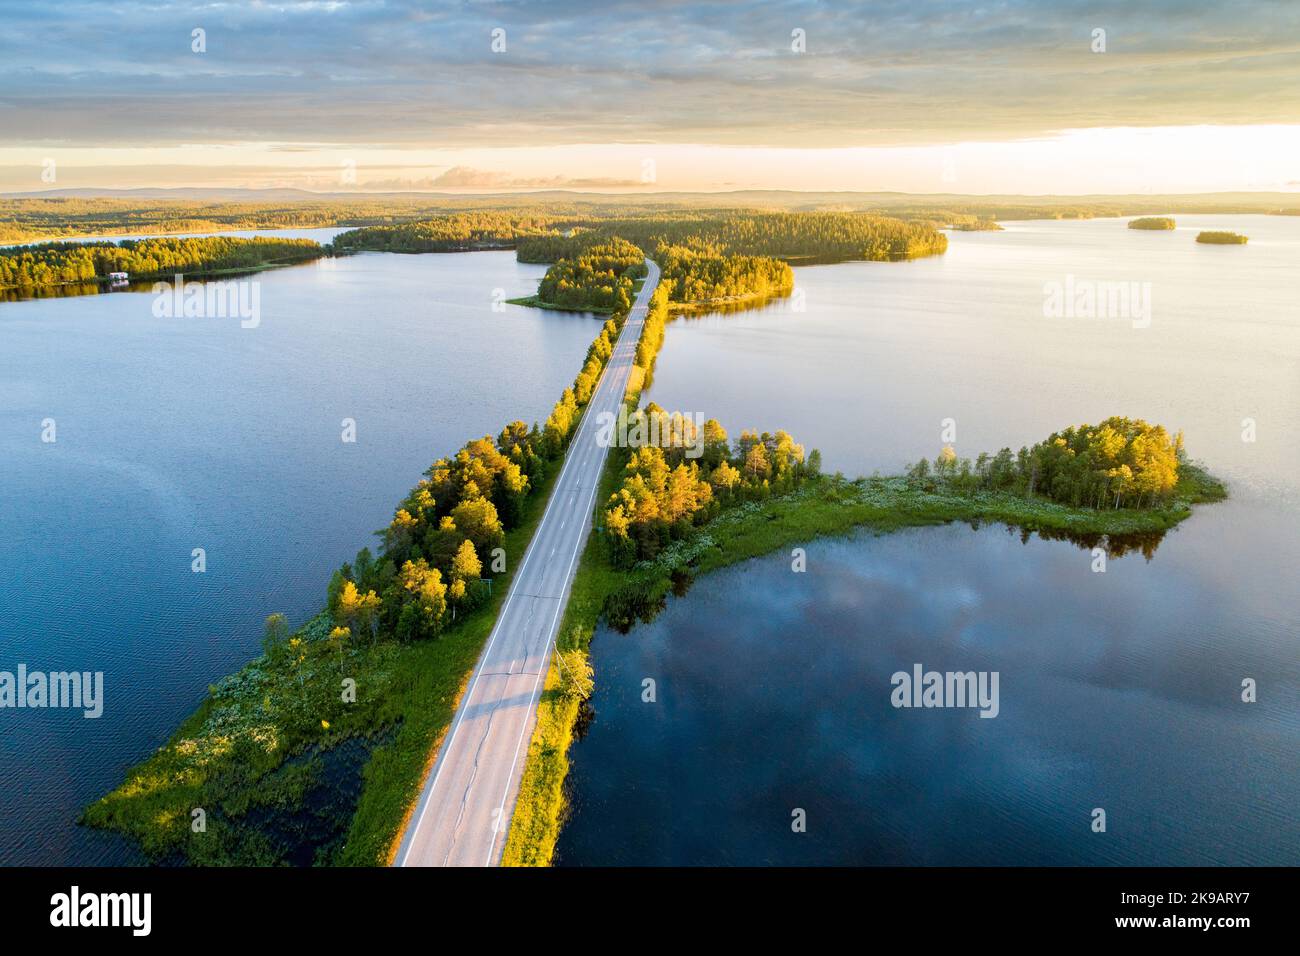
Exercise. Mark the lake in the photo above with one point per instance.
(1119, 691)
(176, 434)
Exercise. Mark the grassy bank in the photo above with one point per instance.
(827, 505)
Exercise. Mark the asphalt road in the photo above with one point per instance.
(467, 801)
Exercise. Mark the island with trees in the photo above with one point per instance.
(601, 278)
(51, 264)
(1215, 237)
(1155, 223)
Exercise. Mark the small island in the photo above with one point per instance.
(1152, 223)
(977, 225)
(1219, 238)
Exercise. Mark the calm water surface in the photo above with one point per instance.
(175, 434)
(1118, 690)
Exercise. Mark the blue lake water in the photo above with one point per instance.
(176, 434)
(1119, 690)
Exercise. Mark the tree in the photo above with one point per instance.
(756, 463)
(476, 519)
(276, 636)
(715, 444)
(946, 463)
(725, 476)
(576, 674)
(339, 638)
(814, 464)
(359, 611)
(424, 600)
(466, 565)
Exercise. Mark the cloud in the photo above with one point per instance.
(370, 73)
(465, 176)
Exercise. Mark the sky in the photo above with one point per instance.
(1022, 96)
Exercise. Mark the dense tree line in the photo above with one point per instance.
(602, 276)
(30, 218)
(1120, 463)
(647, 347)
(458, 232)
(555, 246)
(599, 274)
(57, 263)
(36, 218)
(794, 236)
(677, 475)
(703, 276)
(444, 534)
(711, 255)
(665, 492)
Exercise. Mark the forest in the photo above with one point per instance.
(703, 276)
(457, 232)
(31, 218)
(793, 236)
(664, 495)
(58, 263)
(1120, 463)
(1215, 237)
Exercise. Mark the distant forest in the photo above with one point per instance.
(30, 217)
(458, 232)
(706, 255)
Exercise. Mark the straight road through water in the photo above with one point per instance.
(467, 802)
